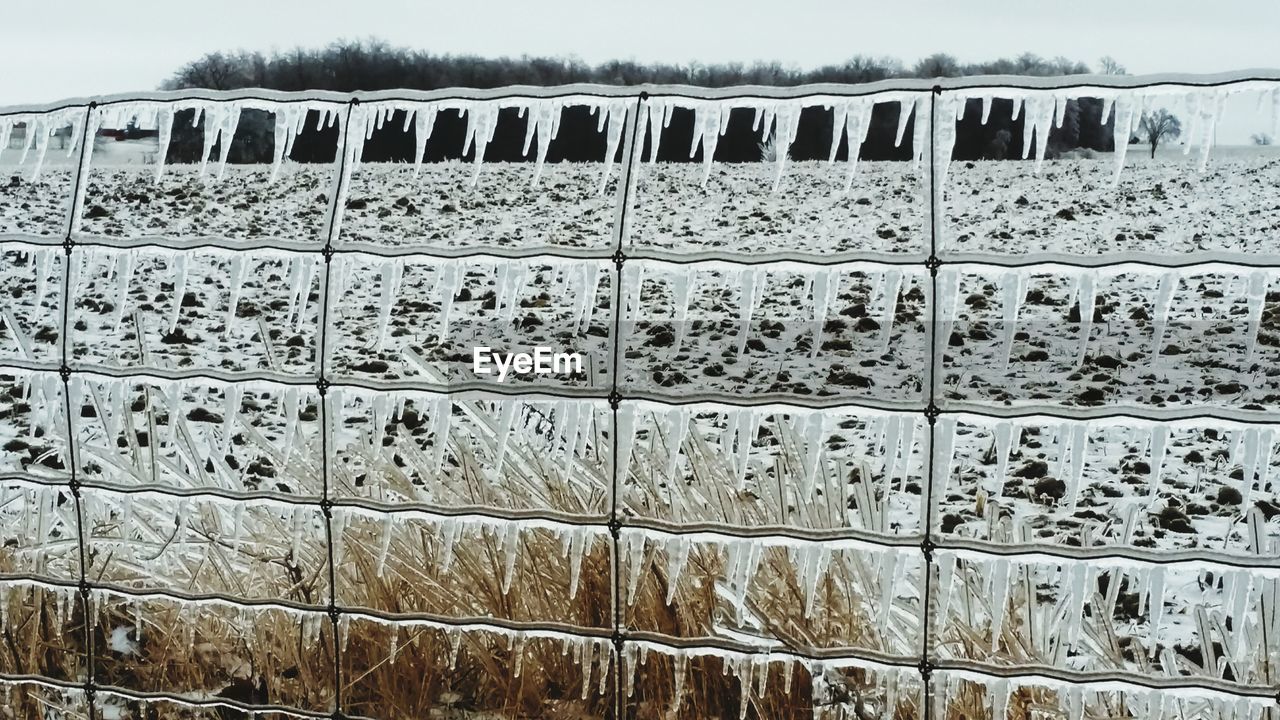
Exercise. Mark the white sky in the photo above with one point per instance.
(69, 48)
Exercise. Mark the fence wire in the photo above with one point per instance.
(615, 522)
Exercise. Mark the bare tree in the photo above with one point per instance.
(1111, 66)
(216, 71)
(1158, 125)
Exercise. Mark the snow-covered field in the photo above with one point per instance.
(463, 519)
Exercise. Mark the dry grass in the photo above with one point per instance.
(426, 564)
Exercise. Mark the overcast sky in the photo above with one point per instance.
(69, 48)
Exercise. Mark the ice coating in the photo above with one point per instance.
(777, 121)
(749, 672)
(542, 117)
(1045, 110)
(220, 122)
(40, 127)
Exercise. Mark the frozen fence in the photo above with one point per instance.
(911, 438)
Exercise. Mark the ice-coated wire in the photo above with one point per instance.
(83, 587)
(931, 417)
(933, 408)
(618, 474)
(322, 386)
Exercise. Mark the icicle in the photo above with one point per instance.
(1159, 436)
(449, 531)
(42, 280)
(1251, 460)
(1079, 441)
(616, 120)
(1164, 299)
(1015, 291)
(948, 111)
(579, 539)
(707, 128)
(1155, 611)
(677, 429)
(1004, 432)
(679, 664)
(441, 410)
(304, 292)
(815, 557)
(1039, 119)
(658, 117)
(384, 545)
(542, 115)
(626, 437)
(634, 547)
(482, 123)
(511, 551)
(1266, 446)
(180, 289)
(812, 438)
(517, 654)
(507, 415)
(786, 123)
(287, 121)
(1126, 107)
(1257, 299)
(448, 290)
(424, 122)
(454, 636)
(1077, 592)
(904, 115)
(231, 408)
(893, 284)
(677, 550)
(1086, 314)
(999, 593)
(590, 285)
(826, 288)
(392, 272)
(753, 281)
(946, 577)
(856, 124)
(999, 689)
(1210, 117)
(890, 567)
(1075, 702)
(944, 453)
(743, 426)
(683, 281)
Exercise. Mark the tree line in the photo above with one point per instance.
(368, 65)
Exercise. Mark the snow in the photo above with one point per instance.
(426, 479)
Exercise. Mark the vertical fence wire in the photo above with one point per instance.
(931, 417)
(322, 390)
(84, 591)
(618, 472)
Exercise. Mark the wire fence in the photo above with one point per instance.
(933, 677)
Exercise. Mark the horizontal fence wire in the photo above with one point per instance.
(615, 522)
(783, 402)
